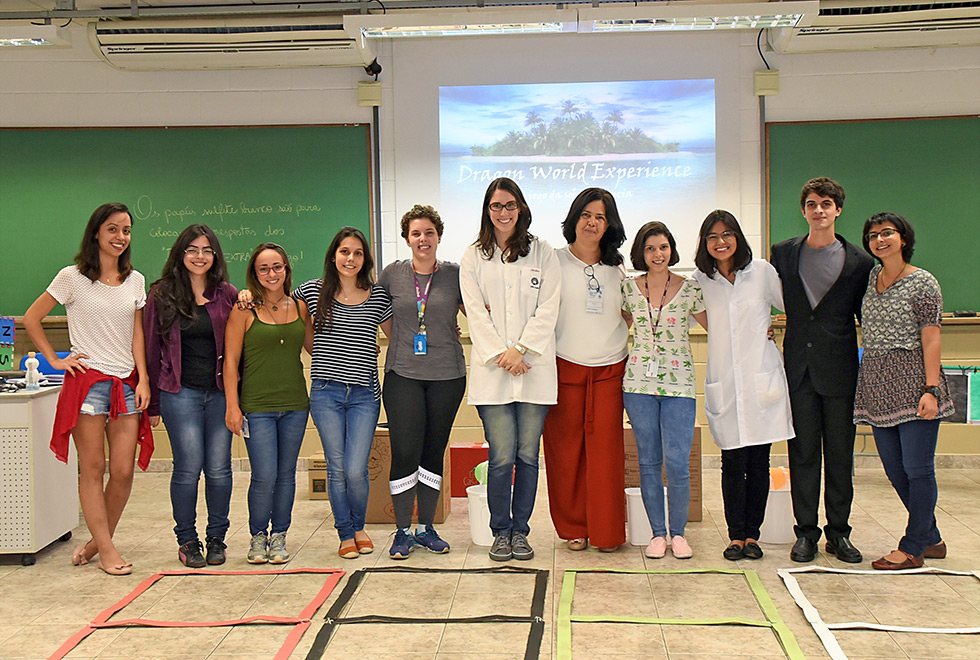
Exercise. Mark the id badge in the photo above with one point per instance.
(593, 301)
(244, 426)
(655, 367)
(419, 342)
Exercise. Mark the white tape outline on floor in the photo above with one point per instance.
(824, 629)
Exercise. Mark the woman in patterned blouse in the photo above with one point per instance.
(658, 388)
(901, 391)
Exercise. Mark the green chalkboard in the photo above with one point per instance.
(927, 170)
(293, 185)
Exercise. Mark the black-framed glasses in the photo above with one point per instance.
(884, 233)
(497, 207)
(193, 251)
(593, 282)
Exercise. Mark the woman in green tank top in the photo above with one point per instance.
(273, 408)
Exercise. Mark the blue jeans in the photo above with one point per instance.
(908, 454)
(663, 427)
(200, 441)
(513, 431)
(273, 448)
(345, 417)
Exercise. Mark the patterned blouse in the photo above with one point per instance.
(893, 372)
(661, 365)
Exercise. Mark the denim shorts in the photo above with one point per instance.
(97, 400)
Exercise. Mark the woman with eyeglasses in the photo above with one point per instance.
(511, 286)
(346, 309)
(658, 388)
(746, 396)
(583, 433)
(901, 390)
(184, 323)
(425, 376)
(273, 408)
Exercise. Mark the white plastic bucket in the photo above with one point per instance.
(479, 512)
(637, 523)
(777, 527)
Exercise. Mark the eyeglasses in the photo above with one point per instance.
(593, 283)
(275, 268)
(194, 251)
(497, 207)
(723, 236)
(884, 233)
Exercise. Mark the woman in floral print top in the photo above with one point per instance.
(658, 387)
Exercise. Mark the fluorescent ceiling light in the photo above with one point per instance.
(460, 23)
(34, 35)
(668, 16)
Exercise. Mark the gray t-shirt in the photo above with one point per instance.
(819, 269)
(444, 354)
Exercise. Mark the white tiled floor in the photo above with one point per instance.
(42, 605)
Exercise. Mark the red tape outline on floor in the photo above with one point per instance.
(300, 623)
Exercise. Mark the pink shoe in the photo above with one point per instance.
(680, 548)
(657, 547)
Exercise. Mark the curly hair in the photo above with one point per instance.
(419, 211)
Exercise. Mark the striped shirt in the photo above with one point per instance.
(346, 352)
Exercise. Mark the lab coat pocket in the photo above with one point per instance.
(770, 387)
(716, 400)
(530, 282)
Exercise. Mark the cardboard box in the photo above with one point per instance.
(380, 508)
(633, 470)
(318, 476)
(462, 459)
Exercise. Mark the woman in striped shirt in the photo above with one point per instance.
(346, 308)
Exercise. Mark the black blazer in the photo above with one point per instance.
(822, 341)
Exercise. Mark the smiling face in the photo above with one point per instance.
(885, 241)
(270, 270)
(349, 257)
(591, 223)
(114, 235)
(504, 220)
(656, 253)
(820, 212)
(423, 237)
(721, 242)
(199, 256)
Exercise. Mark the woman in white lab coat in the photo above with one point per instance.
(746, 397)
(510, 283)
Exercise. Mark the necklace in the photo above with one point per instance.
(895, 279)
(275, 305)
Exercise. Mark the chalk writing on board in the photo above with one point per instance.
(144, 210)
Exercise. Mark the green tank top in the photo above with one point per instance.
(273, 380)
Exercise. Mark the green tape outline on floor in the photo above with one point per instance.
(773, 620)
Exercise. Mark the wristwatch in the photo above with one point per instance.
(933, 390)
(523, 349)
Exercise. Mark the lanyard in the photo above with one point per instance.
(660, 310)
(422, 297)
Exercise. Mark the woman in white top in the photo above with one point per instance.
(511, 285)
(583, 434)
(104, 298)
(746, 397)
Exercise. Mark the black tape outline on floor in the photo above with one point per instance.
(536, 617)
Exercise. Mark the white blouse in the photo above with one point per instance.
(507, 303)
(746, 397)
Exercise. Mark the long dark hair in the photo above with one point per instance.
(703, 259)
(614, 236)
(87, 259)
(252, 279)
(172, 293)
(519, 243)
(331, 278)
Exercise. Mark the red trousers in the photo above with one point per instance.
(583, 452)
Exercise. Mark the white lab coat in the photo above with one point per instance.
(523, 297)
(746, 396)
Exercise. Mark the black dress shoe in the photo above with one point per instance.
(844, 550)
(734, 552)
(804, 550)
(752, 550)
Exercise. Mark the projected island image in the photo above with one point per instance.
(651, 143)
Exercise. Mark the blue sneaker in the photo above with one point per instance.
(429, 539)
(402, 546)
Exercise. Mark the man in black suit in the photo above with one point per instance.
(824, 279)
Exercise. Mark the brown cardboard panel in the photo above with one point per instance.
(380, 508)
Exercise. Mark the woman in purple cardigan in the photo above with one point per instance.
(184, 323)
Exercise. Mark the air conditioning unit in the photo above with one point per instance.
(856, 25)
(232, 43)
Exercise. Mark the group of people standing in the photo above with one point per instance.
(550, 356)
